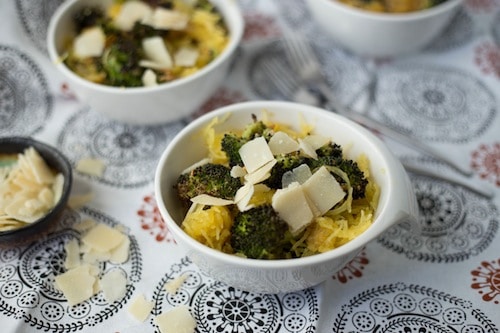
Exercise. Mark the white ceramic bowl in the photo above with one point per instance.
(144, 105)
(382, 34)
(397, 201)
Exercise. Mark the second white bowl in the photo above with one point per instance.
(144, 105)
(382, 34)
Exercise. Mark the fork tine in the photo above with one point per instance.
(301, 54)
(280, 76)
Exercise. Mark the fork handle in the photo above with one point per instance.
(390, 132)
(480, 189)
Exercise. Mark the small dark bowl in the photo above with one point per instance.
(57, 161)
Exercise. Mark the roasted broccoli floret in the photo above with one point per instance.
(141, 31)
(120, 62)
(331, 155)
(259, 233)
(231, 143)
(87, 17)
(255, 129)
(284, 163)
(356, 178)
(167, 4)
(212, 179)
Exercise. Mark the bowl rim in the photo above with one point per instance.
(355, 244)
(236, 34)
(64, 167)
(391, 17)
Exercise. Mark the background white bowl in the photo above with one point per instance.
(382, 34)
(397, 201)
(144, 105)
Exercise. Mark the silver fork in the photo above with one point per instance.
(287, 84)
(305, 63)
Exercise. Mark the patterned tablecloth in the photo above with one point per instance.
(446, 279)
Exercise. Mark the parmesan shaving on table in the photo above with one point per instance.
(99, 243)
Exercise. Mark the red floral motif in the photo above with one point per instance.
(481, 5)
(486, 279)
(487, 58)
(354, 269)
(486, 161)
(66, 91)
(152, 221)
(259, 26)
(221, 98)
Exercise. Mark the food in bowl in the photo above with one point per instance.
(151, 104)
(382, 34)
(392, 6)
(396, 202)
(29, 189)
(138, 43)
(35, 184)
(269, 191)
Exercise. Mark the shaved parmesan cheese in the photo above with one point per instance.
(151, 64)
(57, 188)
(76, 284)
(174, 285)
(292, 206)
(149, 78)
(79, 200)
(323, 190)
(140, 308)
(186, 57)
(103, 238)
(131, 12)
(307, 149)
(205, 199)
(100, 243)
(243, 197)
(119, 255)
(91, 256)
(113, 285)
(84, 225)
(255, 154)
(40, 169)
(177, 320)
(300, 174)
(156, 51)
(167, 19)
(89, 43)
(72, 249)
(260, 174)
(238, 171)
(18, 210)
(316, 141)
(282, 143)
(91, 166)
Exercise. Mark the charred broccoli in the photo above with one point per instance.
(331, 155)
(87, 17)
(284, 163)
(231, 143)
(256, 129)
(259, 233)
(212, 179)
(120, 62)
